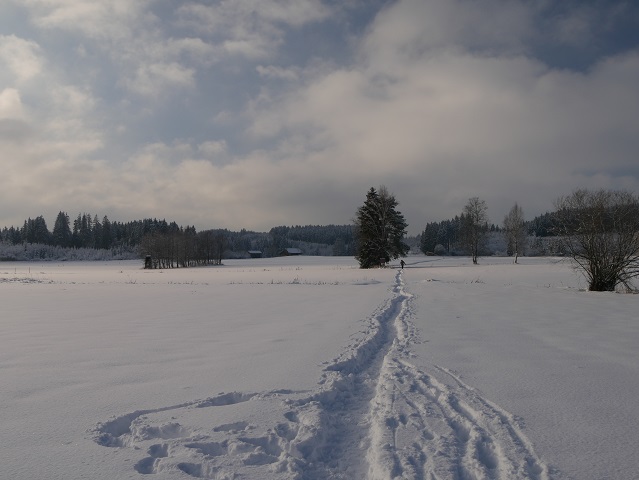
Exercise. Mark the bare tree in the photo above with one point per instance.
(220, 242)
(184, 248)
(474, 226)
(600, 231)
(515, 231)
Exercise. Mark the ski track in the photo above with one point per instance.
(373, 415)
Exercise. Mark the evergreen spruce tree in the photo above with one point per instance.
(62, 236)
(97, 233)
(107, 238)
(76, 240)
(429, 238)
(380, 229)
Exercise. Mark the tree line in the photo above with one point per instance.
(599, 230)
(340, 237)
(183, 247)
(173, 245)
(87, 231)
(442, 237)
(186, 247)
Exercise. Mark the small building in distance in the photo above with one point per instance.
(255, 253)
(288, 252)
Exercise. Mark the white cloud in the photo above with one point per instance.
(443, 101)
(290, 12)
(126, 34)
(106, 19)
(73, 99)
(213, 149)
(21, 57)
(235, 15)
(11, 105)
(250, 28)
(442, 124)
(273, 72)
(195, 49)
(412, 29)
(155, 78)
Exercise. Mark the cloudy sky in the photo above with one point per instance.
(256, 113)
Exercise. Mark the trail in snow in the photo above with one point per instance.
(422, 428)
(372, 415)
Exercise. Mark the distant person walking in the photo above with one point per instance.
(402, 263)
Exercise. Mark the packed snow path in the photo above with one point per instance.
(372, 415)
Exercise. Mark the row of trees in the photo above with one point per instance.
(87, 231)
(184, 248)
(443, 237)
(469, 230)
(340, 237)
(598, 229)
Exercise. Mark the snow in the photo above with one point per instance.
(310, 368)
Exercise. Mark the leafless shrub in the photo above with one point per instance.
(600, 232)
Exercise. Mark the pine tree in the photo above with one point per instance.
(380, 229)
(36, 231)
(62, 235)
(96, 233)
(429, 238)
(107, 239)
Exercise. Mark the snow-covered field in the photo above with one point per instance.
(310, 368)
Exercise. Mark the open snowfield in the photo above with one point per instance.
(310, 368)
